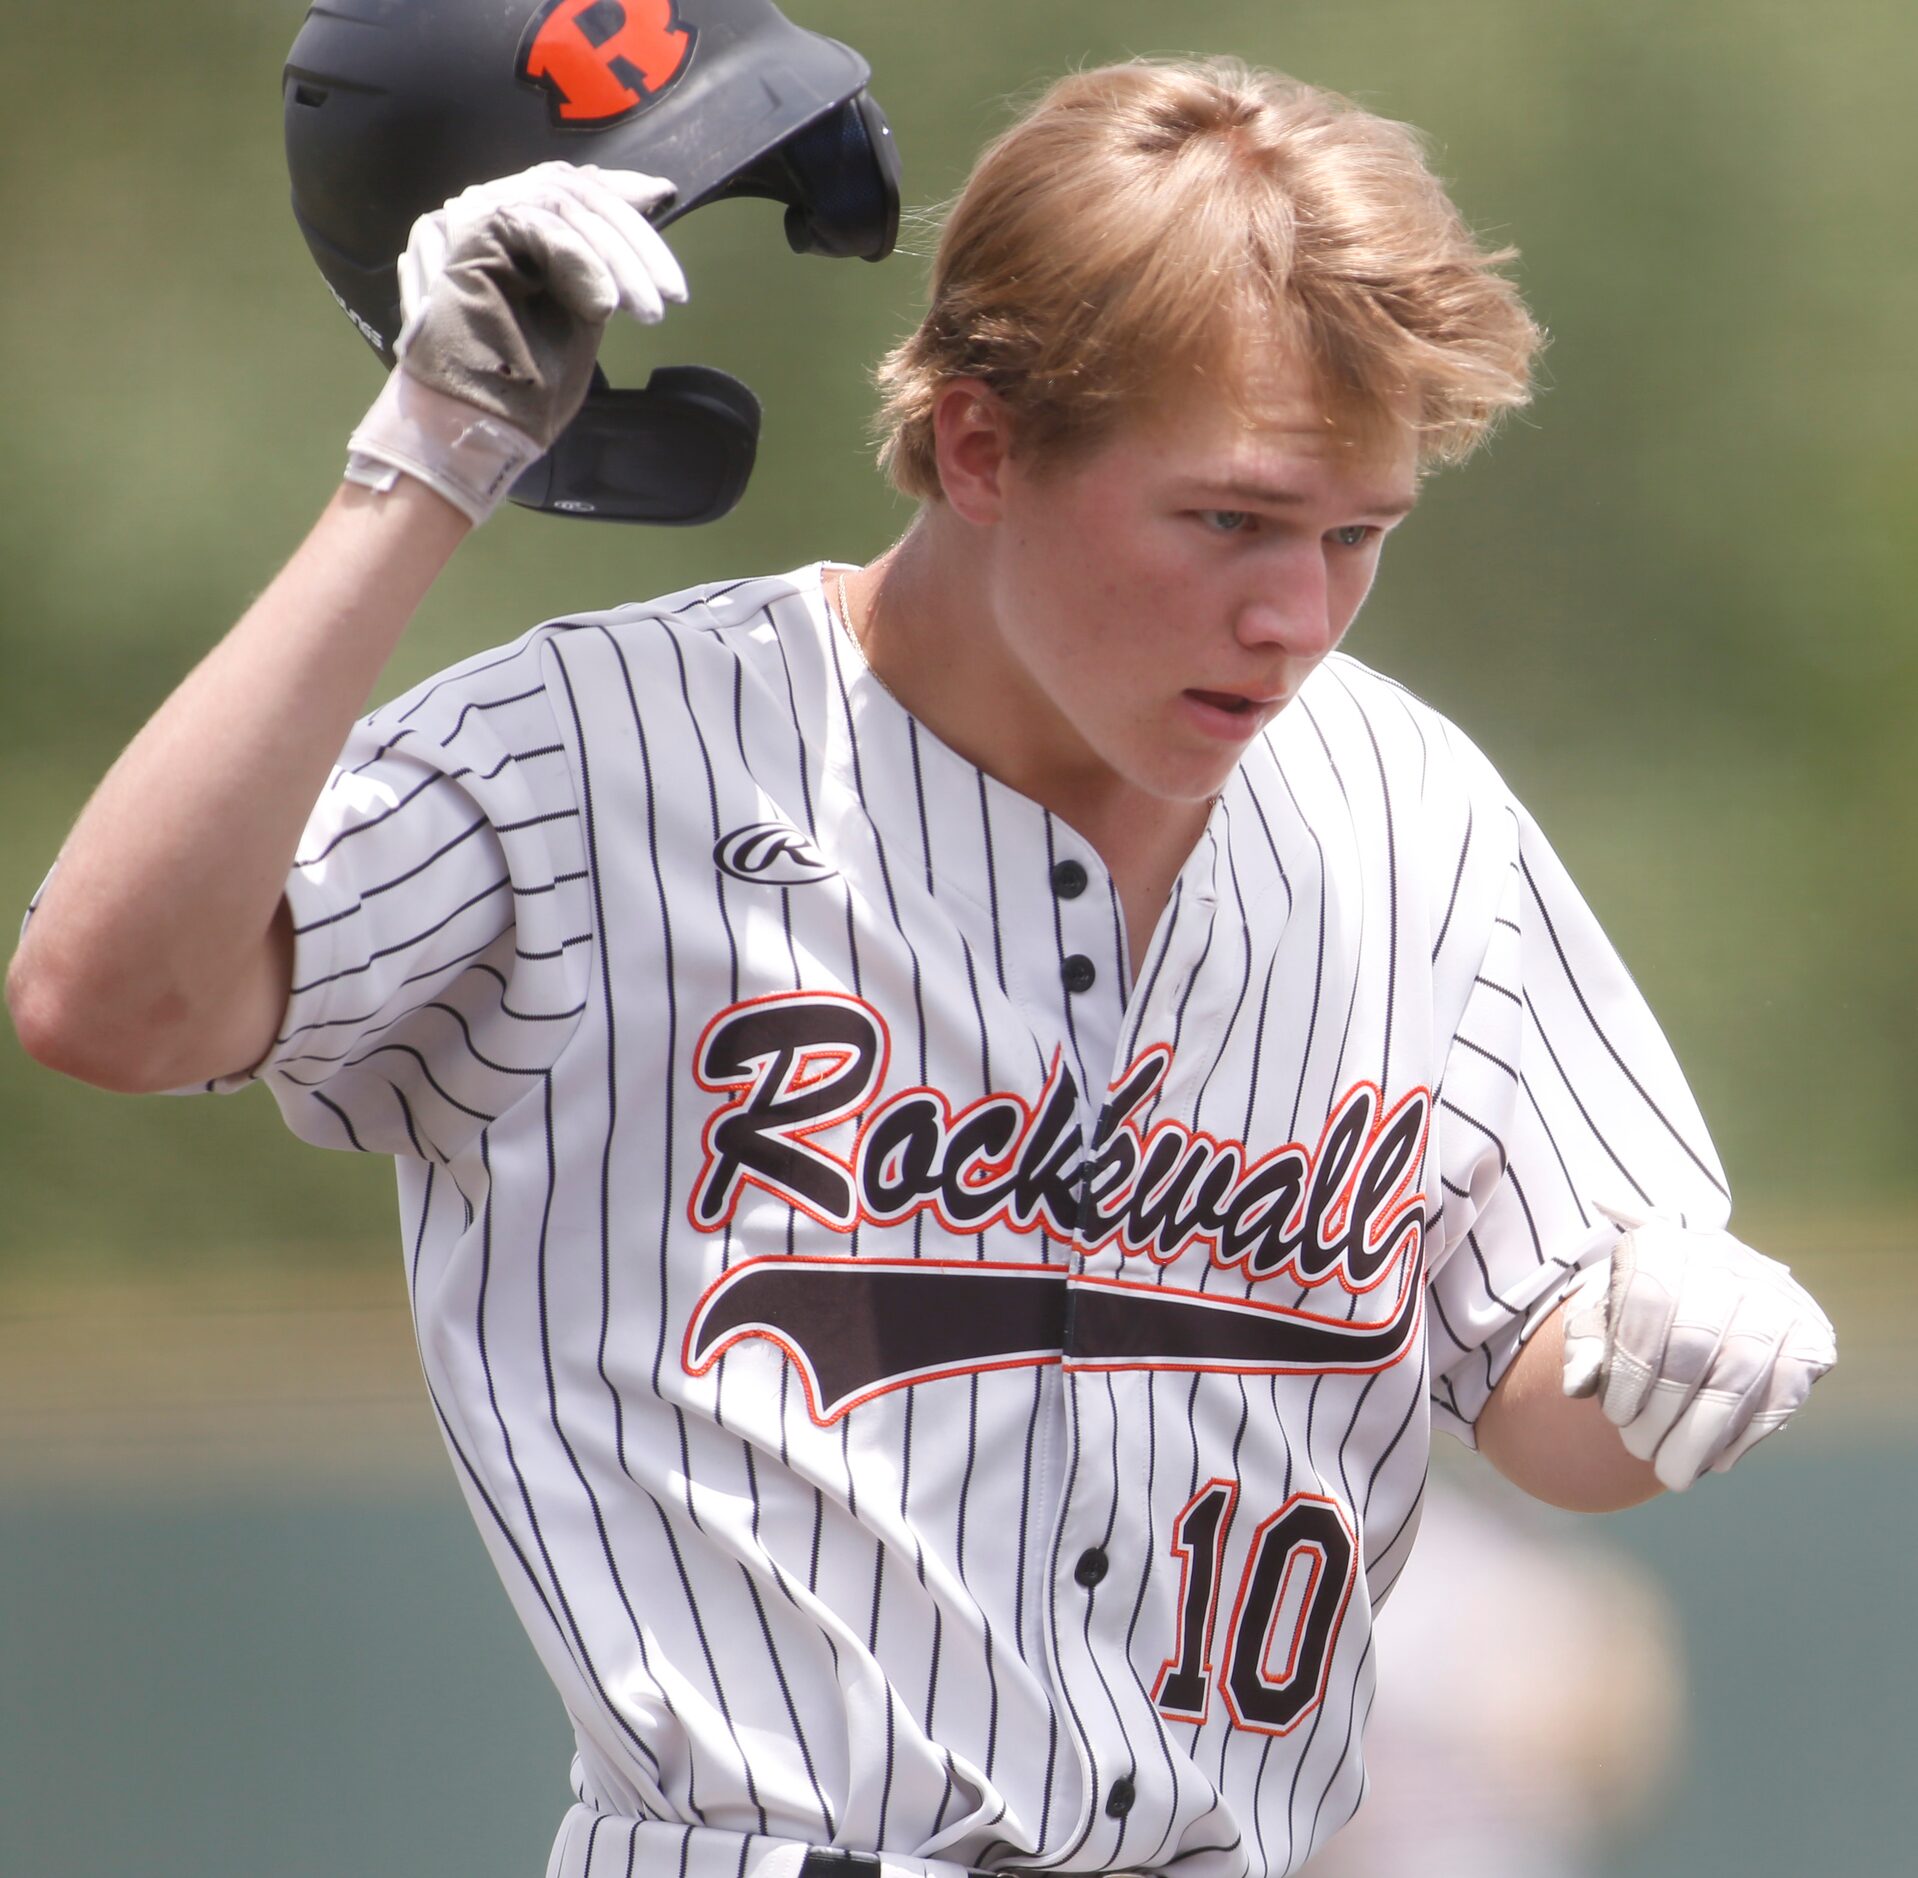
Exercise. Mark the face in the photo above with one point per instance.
(1163, 598)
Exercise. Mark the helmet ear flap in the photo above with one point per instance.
(845, 172)
(839, 179)
(676, 452)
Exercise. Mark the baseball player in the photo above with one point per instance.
(959, 1119)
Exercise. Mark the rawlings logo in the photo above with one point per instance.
(772, 854)
(601, 60)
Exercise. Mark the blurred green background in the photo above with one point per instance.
(1672, 603)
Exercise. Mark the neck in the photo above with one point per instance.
(926, 618)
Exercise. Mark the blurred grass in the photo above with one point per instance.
(1673, 603)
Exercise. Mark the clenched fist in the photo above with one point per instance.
(1696, 1346)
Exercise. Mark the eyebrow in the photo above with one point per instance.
(1291, 498)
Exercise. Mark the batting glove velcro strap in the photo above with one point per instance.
(1696, 1346)
(463, 454)
(506, 290)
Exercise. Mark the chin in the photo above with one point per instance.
(1184, 783)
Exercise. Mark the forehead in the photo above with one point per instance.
(1272, 424)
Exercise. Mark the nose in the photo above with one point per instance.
(1290, 607)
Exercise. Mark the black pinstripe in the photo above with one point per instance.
(512, 938)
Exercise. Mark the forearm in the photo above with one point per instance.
(151, 959)
(1558, 1448)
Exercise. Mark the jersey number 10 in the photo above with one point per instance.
(1297, 1581)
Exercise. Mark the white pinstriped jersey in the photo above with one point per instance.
(924, 1389)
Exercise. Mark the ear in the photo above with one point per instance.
(972, 442)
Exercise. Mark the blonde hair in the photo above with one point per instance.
(1150, 224)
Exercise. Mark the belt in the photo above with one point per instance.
(831, 1862)
(596, 1844)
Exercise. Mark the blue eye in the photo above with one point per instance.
(1354, 536)
(1226, 521)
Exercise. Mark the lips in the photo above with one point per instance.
(1243, 703)
(1232, 717)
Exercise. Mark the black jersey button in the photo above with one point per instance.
(1119, 1800)
(1069, 880)
(1091, 1566)
(1079, 973)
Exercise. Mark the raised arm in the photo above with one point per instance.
(159, 952)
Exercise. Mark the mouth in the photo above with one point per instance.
(1231, 715)
(1234, 702)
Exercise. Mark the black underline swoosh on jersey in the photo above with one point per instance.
(856, 1328)
(1117, 1324)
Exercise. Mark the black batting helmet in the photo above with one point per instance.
(393, 106)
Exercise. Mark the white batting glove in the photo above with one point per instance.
(505, 294)
(1696, 1346)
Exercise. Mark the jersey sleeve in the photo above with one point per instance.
(1558, 1095)
(442, 918)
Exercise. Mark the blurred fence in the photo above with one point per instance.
(246, 1624)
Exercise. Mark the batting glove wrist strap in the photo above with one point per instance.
(468, 456)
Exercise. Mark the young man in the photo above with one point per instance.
(957, 1119)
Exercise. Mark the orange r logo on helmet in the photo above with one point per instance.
(602, 59)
